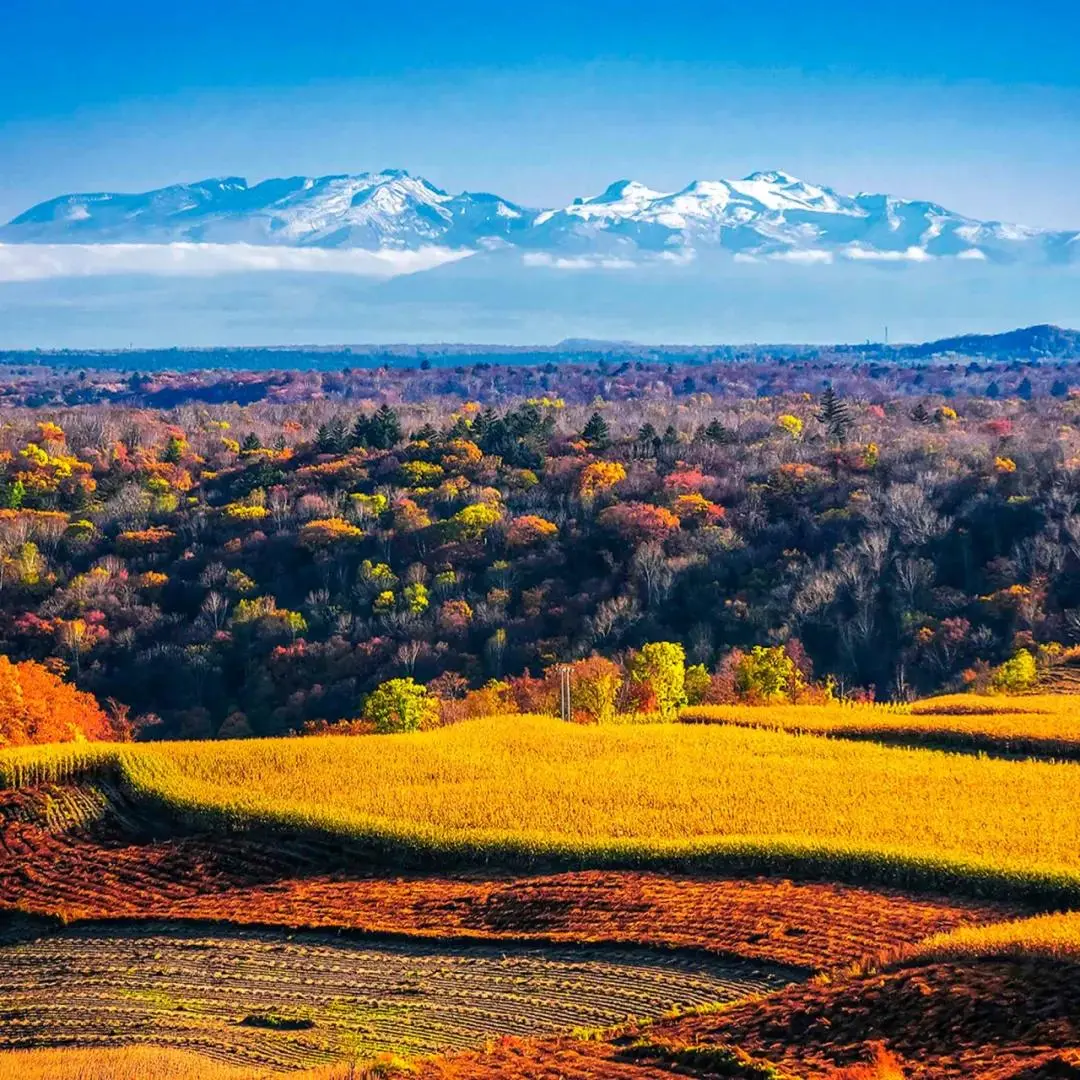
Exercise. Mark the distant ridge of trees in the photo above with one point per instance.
(1042, 342)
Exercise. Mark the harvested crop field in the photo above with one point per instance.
(275, 938)
(996, 1020)
(80, 853)
(288, 1000)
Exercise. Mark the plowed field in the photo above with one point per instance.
(290, 1000)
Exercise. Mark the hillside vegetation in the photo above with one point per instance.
(225, 570)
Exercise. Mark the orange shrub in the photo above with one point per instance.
(138, 540)
(494, 698)
(695, 507)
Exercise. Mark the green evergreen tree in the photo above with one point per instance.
(648, 440)
(715, 432)
(359, 434)
(596, 432)
(339, 435)
(836, 416)
(384, 429)
(174, 450)
(14, 495)
(483, 424)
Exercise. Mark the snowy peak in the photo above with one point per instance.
(766, 215)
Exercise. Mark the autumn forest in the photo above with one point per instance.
(222, 570)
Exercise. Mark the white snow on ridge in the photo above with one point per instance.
(767, 215)
(622, 199)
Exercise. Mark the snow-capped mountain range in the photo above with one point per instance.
(765, 216)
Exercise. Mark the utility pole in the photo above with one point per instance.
(564, 693)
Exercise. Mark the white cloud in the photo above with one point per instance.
(576, 262)
(912, 254)
(680, 257)
(973, 254)
(35, 262)
(804, 255)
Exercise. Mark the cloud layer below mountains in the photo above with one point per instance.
(37, 262)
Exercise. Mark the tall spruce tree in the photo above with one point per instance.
(648, 441)
(596, 432)
(384, 429)
(836, 416)
(359, 435)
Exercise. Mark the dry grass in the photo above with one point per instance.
(939, 1020)
(881, 1066)
(1055, 936)
(519, 788)
(148, 1063)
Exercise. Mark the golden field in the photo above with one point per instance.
(147, 1063)
(1053, 936)
(1044, 725)
(525, 786)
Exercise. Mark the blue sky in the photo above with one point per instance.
(974, 105)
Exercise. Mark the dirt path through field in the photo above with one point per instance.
(287, 1000)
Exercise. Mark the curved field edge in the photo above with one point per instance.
(284, 999)
(144, 775)
(1053, 936)
(1042, 726)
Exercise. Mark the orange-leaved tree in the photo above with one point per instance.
(37, 706)
(530, 529)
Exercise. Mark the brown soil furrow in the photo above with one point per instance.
(942, 1020)
(116, 983)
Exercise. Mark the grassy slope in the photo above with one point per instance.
(1054, 936)
(1043, 725)
(519, 788)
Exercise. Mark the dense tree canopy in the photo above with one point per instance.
(227, 568)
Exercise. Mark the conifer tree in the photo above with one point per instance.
(836, 416)
(384, 429)
(715, 432)
(359, 435)
(596, 432)
(339, 435)
(648, 440)
(920, 414)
